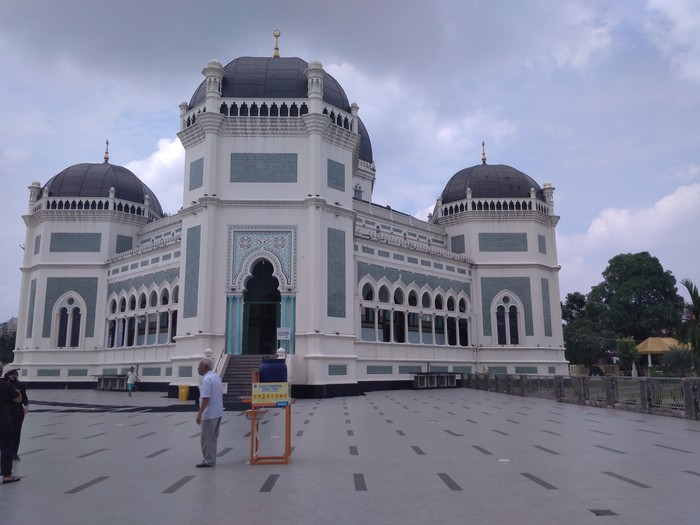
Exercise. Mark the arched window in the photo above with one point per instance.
(122, 305)
(507, 324)
(383, 294)
(132, 303)
(164, 297)
(68, 322)
(412, 299)
(153, 300)
(368, 292)
(142, 301)
(426, 302)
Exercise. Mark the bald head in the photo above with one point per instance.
(205, 365)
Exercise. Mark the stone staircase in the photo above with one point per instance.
(238, 375)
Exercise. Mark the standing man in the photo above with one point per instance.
(211, 410)
(131, 380)
(18, 410)
(8, 396)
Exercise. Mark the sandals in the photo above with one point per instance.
(11, 479)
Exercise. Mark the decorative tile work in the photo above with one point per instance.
(264, 167)
(124, 243)
(498, 370)
(196, 174)
(75, 242)
(462, 369)
(150, 371)
(380, 369)
(144, 281)
(526, 370)
(542, 244)
(337, 370)
(278, 242)
(407, 277)
(48, 372)
(457, 244)
(502, 242)
(32, 302)
(184, 371)
(546, 309)
(410, 369)
(192, 256)
(520, 286)
(37, 244)
(85, 287)
(77, 372)
(336, 175)
(336, 273)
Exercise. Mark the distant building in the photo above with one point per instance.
(278, 230)
(8, 327)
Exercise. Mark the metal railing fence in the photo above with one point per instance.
(677, 397)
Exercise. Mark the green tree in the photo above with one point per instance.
(690, 330)
(627, 352)
(573, 307)
(585, 343)
(637, 298)
(7, 346)
(679, 362)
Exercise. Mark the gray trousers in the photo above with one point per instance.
(208, 439)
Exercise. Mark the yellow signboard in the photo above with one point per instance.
(271, 394)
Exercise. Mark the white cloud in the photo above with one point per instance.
(162, 171)
(675, 31)
(665, 230)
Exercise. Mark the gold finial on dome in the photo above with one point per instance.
(276, 33)
(483, 152)
(107, 151)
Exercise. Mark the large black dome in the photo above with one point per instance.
(490, 181)
(279, 77)
(95, 180)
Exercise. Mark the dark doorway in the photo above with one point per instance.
(261, 309)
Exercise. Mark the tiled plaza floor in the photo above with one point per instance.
(453, 456)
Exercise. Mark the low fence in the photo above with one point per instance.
(663, 396)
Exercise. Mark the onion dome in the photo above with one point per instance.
(96, 180)
(490, 182)
(279, 78)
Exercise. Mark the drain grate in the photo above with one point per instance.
(603, 512)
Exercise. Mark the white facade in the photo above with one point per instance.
(277, 229)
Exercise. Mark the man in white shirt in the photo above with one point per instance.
(211, 410)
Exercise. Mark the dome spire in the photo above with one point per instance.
(107, 151)
(276, 33)
(483, 152)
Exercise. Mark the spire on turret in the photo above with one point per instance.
(483, 152)
(276, 33)
(107, 151)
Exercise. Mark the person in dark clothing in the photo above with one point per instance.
(8, 396)
(18, 410)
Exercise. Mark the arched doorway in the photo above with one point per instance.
(261, 310)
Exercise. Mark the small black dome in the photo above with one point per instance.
(279, 77)
(95, 180)
(490, 181)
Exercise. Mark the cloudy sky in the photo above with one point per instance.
(602, 99)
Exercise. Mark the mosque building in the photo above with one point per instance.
(278, 243)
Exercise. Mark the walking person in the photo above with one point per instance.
(8, 396)
(18, 410)
(211, 410)
(131, 380)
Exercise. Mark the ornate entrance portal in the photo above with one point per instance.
(261, 310)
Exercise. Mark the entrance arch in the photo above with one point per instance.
(261, 310)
